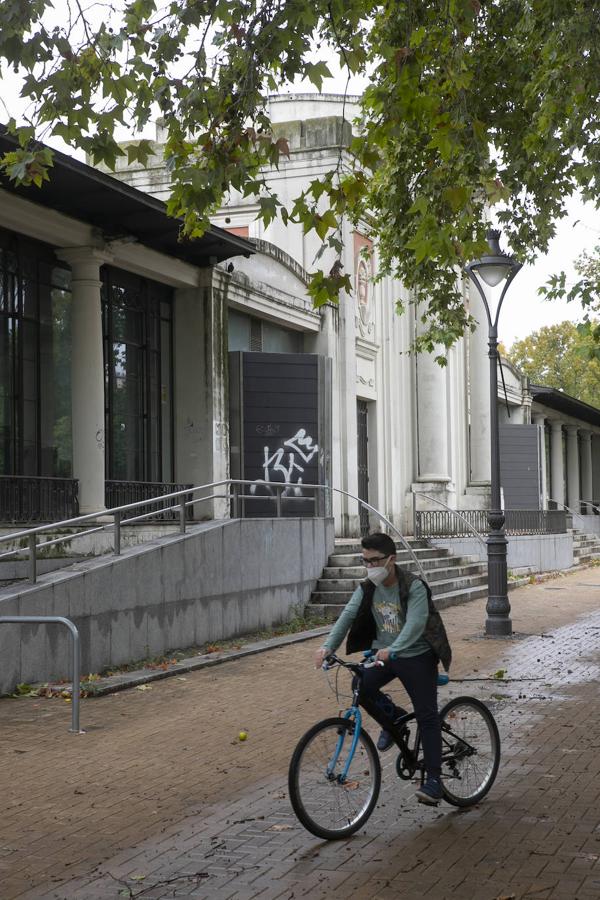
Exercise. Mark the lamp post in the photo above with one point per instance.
(493, 269)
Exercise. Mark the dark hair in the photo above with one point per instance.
(379, 541)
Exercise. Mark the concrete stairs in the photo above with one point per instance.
(452, 579)
(15, 568)
(586, 547)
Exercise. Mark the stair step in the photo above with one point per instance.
(345, 580)
(441, 587)
(430, 566)
(18, 569)
(340, 590)
(344, 545)
(332, 610)
(353, 559)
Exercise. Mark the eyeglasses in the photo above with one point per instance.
(372, 560)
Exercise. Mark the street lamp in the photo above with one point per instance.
(494, 268)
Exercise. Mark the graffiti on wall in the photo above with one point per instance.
(286, 463)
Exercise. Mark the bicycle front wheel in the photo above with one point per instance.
(470, 750)
(329, 801)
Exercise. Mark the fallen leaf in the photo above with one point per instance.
(143, 687)
(281, 828)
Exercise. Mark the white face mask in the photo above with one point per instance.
(378, 574)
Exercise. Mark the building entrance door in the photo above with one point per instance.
(362, 410)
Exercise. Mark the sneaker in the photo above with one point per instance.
(430, 792)
(384, 741)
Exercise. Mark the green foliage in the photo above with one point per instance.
(469, 105)
(561, 356)
(587, 291)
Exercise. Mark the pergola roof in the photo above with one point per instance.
(120, 211)
(561, 402)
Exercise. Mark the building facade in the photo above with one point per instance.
(400, 423)
(160, 363)
(111, 335)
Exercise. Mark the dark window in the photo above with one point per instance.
(259, 336)
(137, 327)
(35, 360)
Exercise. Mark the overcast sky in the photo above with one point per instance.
(523, 311)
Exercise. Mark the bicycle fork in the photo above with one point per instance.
(352, 713)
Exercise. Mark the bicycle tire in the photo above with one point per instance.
(326, 807)
(470, 750)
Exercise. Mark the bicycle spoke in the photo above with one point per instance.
(332, 805)
(471, 750)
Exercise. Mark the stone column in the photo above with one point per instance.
(479, 393)
(432, 417)
(541, 421)
(586, 468)
(557, 464)
(201, 378)
(87, 376)
(573, 495)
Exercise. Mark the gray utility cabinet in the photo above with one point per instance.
(280, 430)
(521, 451)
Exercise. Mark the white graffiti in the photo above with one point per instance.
(284, 463)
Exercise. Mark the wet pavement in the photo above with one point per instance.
(160, 799)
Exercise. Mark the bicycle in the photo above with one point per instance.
(334, 776)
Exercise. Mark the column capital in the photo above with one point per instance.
(572, 430)
(539, 419)
(85, 262)
(557, 425)
(585, 435)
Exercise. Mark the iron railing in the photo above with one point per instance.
(236, 491)
(122, 493)
(445, 523)
(25, 498)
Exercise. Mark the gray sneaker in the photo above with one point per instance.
(431, 792)
(384, 741)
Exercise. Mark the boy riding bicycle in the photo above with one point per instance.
(392, 612)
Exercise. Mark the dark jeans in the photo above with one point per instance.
(418, 674)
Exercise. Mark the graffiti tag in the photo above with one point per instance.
(287, 461)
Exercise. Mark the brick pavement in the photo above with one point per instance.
(160, 788)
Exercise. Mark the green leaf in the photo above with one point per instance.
(316, 72)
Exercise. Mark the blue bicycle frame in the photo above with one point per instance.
(354, 712)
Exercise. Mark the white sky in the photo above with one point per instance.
(523, 311)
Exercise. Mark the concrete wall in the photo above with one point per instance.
(539, 552)
(588, 524)
(216, 582)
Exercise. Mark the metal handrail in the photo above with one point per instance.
(118, 520)
(387, 522)
(76, 656)
(455, 512)
(564, 506)
(591, 503)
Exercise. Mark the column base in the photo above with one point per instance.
(497, 627)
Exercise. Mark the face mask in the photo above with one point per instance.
(378, 574)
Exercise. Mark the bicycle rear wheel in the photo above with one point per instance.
(329, 804)
(470, 750)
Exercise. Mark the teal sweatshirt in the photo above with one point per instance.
(404, 637)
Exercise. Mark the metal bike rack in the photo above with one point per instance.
(60, 620)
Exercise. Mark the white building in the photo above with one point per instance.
(330, 396)
(400, 424)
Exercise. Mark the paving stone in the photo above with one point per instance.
(160, 786)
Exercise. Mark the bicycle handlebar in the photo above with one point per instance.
(332, 660)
